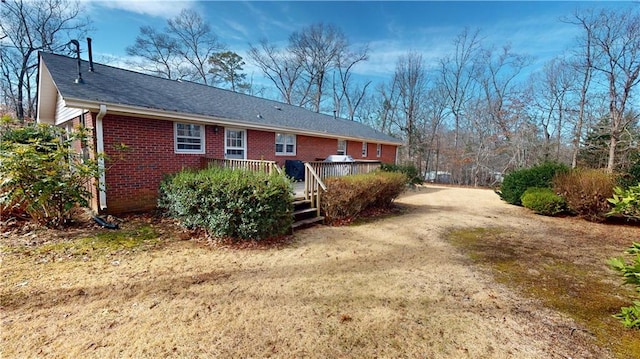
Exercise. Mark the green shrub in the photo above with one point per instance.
(631, 176)
(346, 197)
(517, 182)
(230, 203)
(630, 271)
(413, 177)
(42, 175)
(586, 192)
(543, 201)
(626, 202)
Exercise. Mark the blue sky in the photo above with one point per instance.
(389, 28)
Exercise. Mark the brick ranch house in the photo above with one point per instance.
(168, 125)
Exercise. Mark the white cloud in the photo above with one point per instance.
(164, 9)
(233, 30)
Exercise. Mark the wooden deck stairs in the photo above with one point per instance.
(304, 214)
(308, 194)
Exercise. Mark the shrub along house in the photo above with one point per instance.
(148, 127)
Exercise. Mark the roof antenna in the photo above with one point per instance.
(79, 79)
(90, 54)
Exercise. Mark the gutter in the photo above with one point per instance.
(102, 194)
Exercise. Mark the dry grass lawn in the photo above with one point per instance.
(393, 287)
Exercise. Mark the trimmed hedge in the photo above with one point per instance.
(543, 201)
(517, 182)
(348, 196)
(230, 203)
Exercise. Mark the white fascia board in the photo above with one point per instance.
(47, 95)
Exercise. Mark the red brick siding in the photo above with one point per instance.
(354, 149)
(388, 154)
(133, 176)
(261, 145)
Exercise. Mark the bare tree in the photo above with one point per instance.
(381, 108)
(552, 95)
(616, 38)
(346, 90)
(317, 48)
(281, 68)
(181, 50)
(582, 64)
(457, 73)
(317, 59)
(435, 112)
(196, 42)
(26, 28)
(410, 80)
(158, 50)
(504, 99)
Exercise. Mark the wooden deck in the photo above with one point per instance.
(307, 193)
(298, 189)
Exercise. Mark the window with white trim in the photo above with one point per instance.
(189, 137)
(285, 144)
(235, 144)
(364, 149)
(378, 150)
(342, 147)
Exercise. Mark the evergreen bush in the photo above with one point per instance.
(543, 201)
(413, 177)
(517, 182)
(228, 203)
(42, 175)
(631, 176)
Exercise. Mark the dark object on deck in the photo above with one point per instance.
(294, 169)
(104, 224)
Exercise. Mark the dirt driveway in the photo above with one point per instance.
(390, 288)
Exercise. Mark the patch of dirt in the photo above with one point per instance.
(393, 287)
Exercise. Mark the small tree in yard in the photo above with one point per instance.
(43, 175)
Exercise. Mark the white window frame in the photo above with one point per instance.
(344, 151)
(379, 150)
(285, 143)
(202, 148)
(364, 149)
(244, 142)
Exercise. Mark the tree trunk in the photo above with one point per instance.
(612, 153)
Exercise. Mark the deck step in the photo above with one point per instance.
(307, 222)
(304, 212)
(300, 202)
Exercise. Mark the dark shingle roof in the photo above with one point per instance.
(111, 85)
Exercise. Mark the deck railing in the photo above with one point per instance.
(313, 187)
(251, 165)
(338, 169)
(315, 172)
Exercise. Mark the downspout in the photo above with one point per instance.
(102, 194)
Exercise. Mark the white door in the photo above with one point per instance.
(235, 144)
